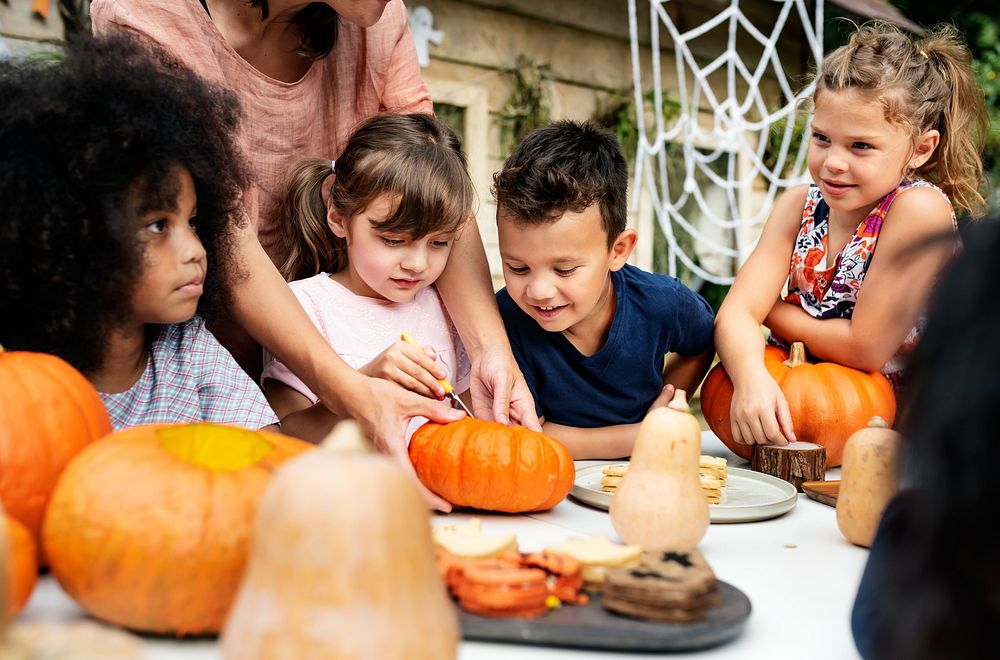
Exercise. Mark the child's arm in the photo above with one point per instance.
(602, 441)
(299, 416)
(685, 372)
(759, 412)
(895, 289)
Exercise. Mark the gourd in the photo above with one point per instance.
(342, 564)
(48, 413)
(149, 528)
(828, 402)
(21, 568)
(488, 465)
(660, 503)
(868, 480)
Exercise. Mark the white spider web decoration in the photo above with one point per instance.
(704, 205)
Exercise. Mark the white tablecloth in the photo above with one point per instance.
(798, 571)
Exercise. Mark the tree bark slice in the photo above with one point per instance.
(795, 463)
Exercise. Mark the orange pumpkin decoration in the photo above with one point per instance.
(149, 528)
(22, 566)
(487, 465)
(828, 402)
(48, 413)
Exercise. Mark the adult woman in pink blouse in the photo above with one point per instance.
(306, 74)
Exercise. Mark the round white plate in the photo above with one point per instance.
(748, 495)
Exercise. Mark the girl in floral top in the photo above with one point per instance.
(896, 140)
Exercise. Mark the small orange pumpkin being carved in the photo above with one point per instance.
(149, 528)
(48, 413)
(487, 465)
(828, 402)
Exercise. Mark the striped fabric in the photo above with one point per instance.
(190, 377)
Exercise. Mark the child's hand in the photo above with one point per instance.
(665, 397)
(759, 413)
(414, 368)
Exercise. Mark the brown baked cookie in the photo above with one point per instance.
(665, 586)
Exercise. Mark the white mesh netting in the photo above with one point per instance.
(720, 141)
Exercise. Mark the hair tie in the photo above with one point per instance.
(333, 166)
(924, 54)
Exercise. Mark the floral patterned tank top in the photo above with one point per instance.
(830, 291)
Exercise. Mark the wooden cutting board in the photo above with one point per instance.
(824, 492)
(591, 626)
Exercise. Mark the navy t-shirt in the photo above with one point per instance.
(654, 314)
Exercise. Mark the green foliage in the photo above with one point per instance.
(617, 114)
(527, 107)
(774, 138)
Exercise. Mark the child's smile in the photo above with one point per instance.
(558, 273)
(388, 265)
(856, 156)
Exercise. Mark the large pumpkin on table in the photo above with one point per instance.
(487, 465)
(828, 402)
(48, 413)
(149, 528)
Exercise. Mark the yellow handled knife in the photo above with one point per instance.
(449, 391)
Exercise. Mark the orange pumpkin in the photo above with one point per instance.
(22, 566)
(48, 413)
(828, 402)
(149, 528)
(487, 465)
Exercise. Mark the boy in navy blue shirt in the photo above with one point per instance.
(589, 331)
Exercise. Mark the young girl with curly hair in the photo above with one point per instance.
(896, 142)
(363, 260)
(120, 184)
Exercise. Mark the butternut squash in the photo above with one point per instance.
(660, 503)
(342, 564)
(868, 480)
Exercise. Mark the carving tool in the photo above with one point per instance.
(449, 391)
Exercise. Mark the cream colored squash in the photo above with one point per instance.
(342, 564)
(660, 503)
(868, 480)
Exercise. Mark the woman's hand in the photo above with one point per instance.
(759, 413)
(499, 391)
(384, 410)
(413, 367)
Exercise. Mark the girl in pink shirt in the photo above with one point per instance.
(363, 261)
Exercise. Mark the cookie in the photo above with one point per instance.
(467, 541)
(596, 555)
(495, 588)
(665, 586)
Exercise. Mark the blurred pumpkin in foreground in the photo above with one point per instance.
(149, 528)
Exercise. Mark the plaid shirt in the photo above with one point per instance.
(190, 377)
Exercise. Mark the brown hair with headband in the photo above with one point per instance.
(414, 159)
(922, 84)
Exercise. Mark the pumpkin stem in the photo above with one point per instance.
(797, 356)
(877, 422)
(679, 402)
(347, 437)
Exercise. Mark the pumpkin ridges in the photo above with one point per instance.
(140, 557)
(475, 463)
(565, 474)
(21, 566)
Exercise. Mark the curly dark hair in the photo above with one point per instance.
(88, 142)
(565, 166)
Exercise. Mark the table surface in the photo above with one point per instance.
(798, 571)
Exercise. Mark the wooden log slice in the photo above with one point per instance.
(795, 462)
